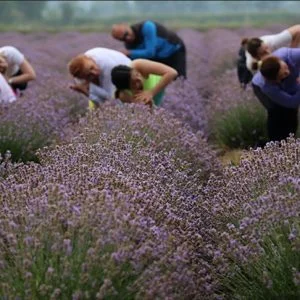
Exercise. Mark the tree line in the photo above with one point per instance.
(70, 12)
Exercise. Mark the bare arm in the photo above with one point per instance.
(125, 97)
(28, 74)
(82, 88)
(98, 93)
(295, 33)
(147, 67)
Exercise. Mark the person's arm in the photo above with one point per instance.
(282, 98)
(294, 54)
(150, 40)
(98, 94)
(147, 67)
(125, 97)
(28, 74)
(27, 71)
(295, 33)
(82, 88)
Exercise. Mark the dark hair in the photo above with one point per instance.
(253, 45)
(255, 65)
(244, 41)
(120, 77)
(270, 67)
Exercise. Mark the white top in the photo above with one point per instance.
(14, 59)
(106, 60)
(6, 93)
(274, 41)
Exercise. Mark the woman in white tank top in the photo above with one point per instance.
(16, 68)
(258, 48)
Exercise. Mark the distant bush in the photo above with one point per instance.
(242, 126)
(22, 140)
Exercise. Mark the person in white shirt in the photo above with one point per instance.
(259, 48)
(16, 68)
(6, 93)
(93, 69)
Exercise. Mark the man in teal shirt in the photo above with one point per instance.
(151, 40)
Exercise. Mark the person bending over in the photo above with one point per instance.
(277, 88)
(259, 48)
(151, 40)
(93, 73)
(143, 81)
(16, 68)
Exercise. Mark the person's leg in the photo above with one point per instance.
(177, 61)
(19, 86)
(278, 124)
(282, 122)
(290, 121)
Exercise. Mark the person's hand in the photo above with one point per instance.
(125, 52)
(298, 80)
(143, 97)
(78, 88)
(75, 87)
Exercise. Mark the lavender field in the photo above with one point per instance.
(122, 203)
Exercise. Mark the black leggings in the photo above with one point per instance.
(281, 120)
(176, 61)
(19, 86)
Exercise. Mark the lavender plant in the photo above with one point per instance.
(242, 126)
(256, 219)
(129, 203)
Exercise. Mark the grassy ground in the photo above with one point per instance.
(231, 157)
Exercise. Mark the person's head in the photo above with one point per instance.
(256, 47)
(3, 64)
(123, 32)
(244, 42)
(124, 77)
(274, 69)
(84, 67)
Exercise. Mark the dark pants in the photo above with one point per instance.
(19, 86)
(281, 120)
(177, 61)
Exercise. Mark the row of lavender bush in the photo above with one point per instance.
(120, 211)
(133, 203)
